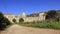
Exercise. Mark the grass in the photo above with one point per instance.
(52, 25)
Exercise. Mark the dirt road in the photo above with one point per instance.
(16, 29)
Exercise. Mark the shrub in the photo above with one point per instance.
(4, 22)
(51, 25)
(21, 20)
(53, 15)
(14, 20)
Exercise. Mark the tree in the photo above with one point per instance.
(51, 14)
(33, 15)
(4, 22)
(14, 20)
(21, 20)
(57, 16)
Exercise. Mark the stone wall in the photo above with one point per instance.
(41, 17)
(10, 17)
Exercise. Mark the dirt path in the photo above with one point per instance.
(16, 29)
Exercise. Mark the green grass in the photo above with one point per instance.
(52, 25)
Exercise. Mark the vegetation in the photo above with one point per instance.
(33, 15)
(4, 22)
(51, 25)
(53, 15)
(21, 20)
(14, 20)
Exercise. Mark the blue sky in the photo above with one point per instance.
(28, 6)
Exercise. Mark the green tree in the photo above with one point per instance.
(14, 20)
(4, 22)
(21, 20)
(51, 14)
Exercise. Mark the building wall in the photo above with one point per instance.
(41, 17)
(30, 19)
(10, 17)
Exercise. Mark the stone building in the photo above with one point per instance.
(10, 17)
(41, 17)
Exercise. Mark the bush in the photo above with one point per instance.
(51, 25)
(53, 15)
(21, 20)
(4, 22)
(14, 20)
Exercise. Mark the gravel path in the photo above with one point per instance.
(16, 29)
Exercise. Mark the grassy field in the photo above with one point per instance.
(51, 25)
